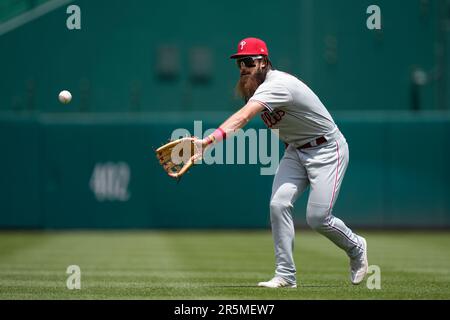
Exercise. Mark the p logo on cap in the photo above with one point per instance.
(251, 47)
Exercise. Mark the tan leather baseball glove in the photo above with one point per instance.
(178, 156)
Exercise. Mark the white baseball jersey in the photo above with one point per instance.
(293, 108)
(300, 117)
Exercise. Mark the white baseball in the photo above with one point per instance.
(65, 96)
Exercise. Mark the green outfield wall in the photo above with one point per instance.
(174, 55)
(139, 69)
(99, 171)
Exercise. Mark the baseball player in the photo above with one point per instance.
(316, 157)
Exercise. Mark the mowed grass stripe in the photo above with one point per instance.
(214, 265)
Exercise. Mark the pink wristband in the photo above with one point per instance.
(217, 136)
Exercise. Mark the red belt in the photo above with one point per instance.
(314, 143)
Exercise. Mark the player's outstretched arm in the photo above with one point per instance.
(190, 149)
(237, 121)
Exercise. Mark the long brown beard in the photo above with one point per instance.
(247, 84)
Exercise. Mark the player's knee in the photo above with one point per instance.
(317, 216)
(278, 208)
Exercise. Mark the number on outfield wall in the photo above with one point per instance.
(109, 181)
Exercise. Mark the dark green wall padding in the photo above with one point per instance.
(398, 174)
(115, 62)
(139, 69)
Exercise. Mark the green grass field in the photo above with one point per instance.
(214, 265)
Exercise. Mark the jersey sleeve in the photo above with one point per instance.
(272, 96)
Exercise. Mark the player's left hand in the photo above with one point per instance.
(178, 156)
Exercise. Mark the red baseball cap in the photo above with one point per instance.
(251, 47)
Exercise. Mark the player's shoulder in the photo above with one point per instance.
(277, 76)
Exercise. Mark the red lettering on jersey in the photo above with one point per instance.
(281, 113)
(266, 118)
(271, 119)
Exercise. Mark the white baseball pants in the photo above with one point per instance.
(322, 168)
